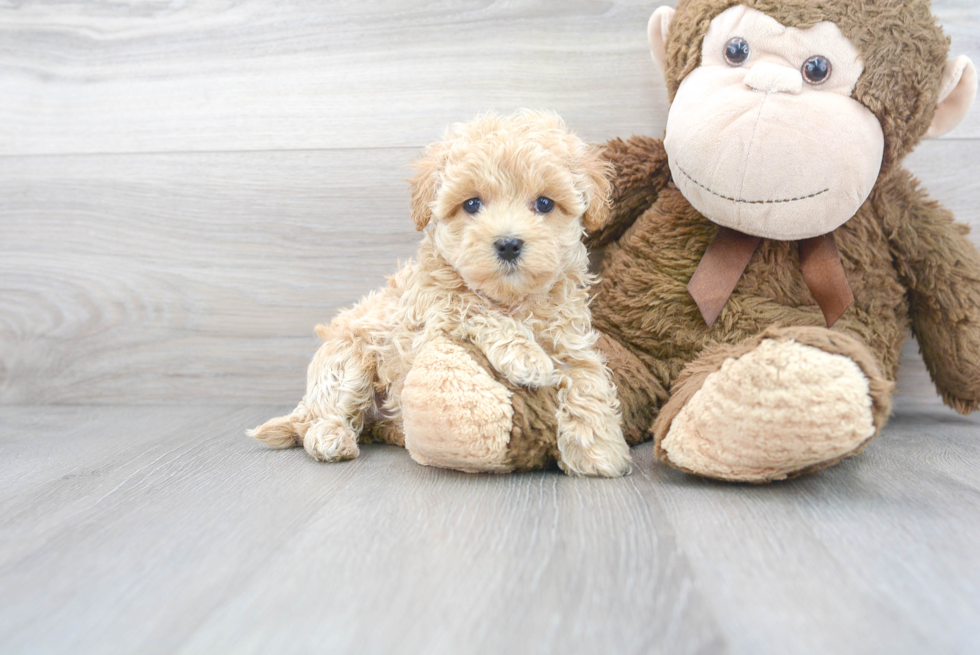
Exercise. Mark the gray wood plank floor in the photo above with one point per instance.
(165, 530)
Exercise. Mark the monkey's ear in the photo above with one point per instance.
(425, 185)
(597, 197)
(956, 95)
(657, 30)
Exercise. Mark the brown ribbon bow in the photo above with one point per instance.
(729, 253)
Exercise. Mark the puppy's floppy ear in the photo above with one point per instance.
(425, 183)
(597, 196)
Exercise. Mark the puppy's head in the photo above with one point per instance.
(507, 199)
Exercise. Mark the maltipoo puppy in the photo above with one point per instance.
(501, 270)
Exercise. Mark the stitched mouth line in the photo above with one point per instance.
(751, 202)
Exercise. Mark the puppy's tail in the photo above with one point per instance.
(283, 431)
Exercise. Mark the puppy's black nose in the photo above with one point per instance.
(508, 248)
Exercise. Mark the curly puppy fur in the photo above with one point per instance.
(529, 317)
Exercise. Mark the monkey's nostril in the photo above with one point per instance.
(508, 248)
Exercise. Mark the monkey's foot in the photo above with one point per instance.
(792, 401)
(456, 415)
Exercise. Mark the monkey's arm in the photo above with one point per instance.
(641, 172)
(940, 266)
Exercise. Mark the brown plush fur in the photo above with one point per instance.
(908, 263)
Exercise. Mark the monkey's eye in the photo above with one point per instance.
(737, 51)
(816, 70)
(472, 205)
(544, 205)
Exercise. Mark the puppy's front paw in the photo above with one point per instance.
(526, 364)
(587, 452)
(330, 440)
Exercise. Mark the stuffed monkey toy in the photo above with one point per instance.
(766, 259)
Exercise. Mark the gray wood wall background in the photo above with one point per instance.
(187, 187)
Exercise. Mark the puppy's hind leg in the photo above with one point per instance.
(339, 391)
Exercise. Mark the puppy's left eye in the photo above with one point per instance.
(544, 205)
(472, 205)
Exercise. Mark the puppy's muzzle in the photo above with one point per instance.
(508, 248)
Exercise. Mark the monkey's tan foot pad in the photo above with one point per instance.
(779, 409)
(455, 414)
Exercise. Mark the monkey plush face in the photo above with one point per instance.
(755, 134)
(786, 112)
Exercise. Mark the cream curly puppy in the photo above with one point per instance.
(502, 269)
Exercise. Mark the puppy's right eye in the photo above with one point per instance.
(472, 205)
(544, 205)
